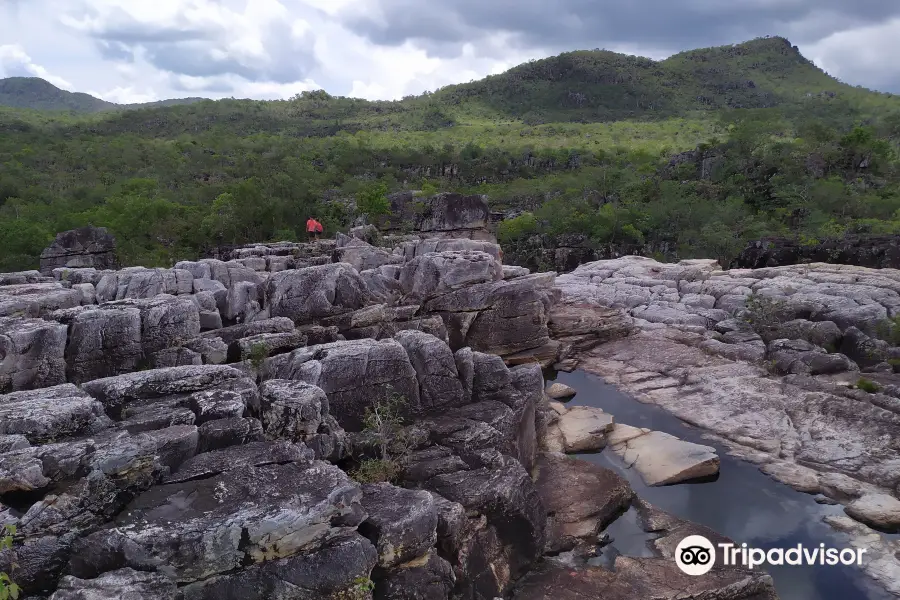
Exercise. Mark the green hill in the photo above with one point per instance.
(36, 94)
(689, 156)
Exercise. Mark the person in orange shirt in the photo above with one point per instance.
(313, 229)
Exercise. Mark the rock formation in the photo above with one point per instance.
(86, 247)
(784, 365)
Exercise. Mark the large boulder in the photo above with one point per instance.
(305, 295)
(502, 317)
(360, 254)
(439, 383)
(401, 523)
(242, 517)
(581, 500)
(355, 375)
(83, 247)
(448, 212)
(31, 354)
(51, 413)
(140, 283)
(436, 273)
(115, 585)
(104, 343)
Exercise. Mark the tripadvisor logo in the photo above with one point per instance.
(696, 555)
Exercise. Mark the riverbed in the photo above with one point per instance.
(742, 503)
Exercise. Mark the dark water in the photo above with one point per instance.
(742, 504)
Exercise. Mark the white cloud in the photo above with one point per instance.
(15, 62)
(128, 51)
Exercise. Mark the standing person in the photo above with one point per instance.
(311, 229)
(319, 229)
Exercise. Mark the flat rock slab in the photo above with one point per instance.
(580, 429)
(249, 515)
(581, 499)
(663, 459)
(560, 391)
(878, 510)
(645, 578)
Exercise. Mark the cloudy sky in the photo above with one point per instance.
(143, 50)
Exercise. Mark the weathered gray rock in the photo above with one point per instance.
(428, 577)
(140, 283)
(253, 454)
(360, 254)
(85, 247)
(439, 383)
(51, 414)
(337, 570)
(116, 392)
(31, 354)
(402, 524)
(174, 357)
(304, 295)
(223, 433)
(262, 345)
(230, 335)
(212, 350)
(411, 249)
(116, 585)
(292, 410)
(448, 212)
(297, 508)
(354, 374)
(436, 273)
(103, 343)
(37, 299)
(802, 357)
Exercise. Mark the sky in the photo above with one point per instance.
(129, 51)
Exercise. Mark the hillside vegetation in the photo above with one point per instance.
(691, 156)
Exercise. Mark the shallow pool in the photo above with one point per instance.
(742, 503)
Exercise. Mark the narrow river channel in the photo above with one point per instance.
(742, 503)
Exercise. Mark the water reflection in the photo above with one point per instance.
(743, 503)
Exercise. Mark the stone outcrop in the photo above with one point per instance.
(874, 251)
(766, 360)
(190, 433)
(86, 247)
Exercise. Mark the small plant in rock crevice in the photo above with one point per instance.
(385, 425)
(867, 385)
(8, 588)
(258, 353)
(762, 313)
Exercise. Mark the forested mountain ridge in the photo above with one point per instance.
(690, 156)
(36, 93)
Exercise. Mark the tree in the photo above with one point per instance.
(372, 200)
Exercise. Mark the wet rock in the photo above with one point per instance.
(402, 524)
(580, 429)
(316, 292)
(581, 499)
(560, 391)
(660, 458)
(878, 510)
(31, 354)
